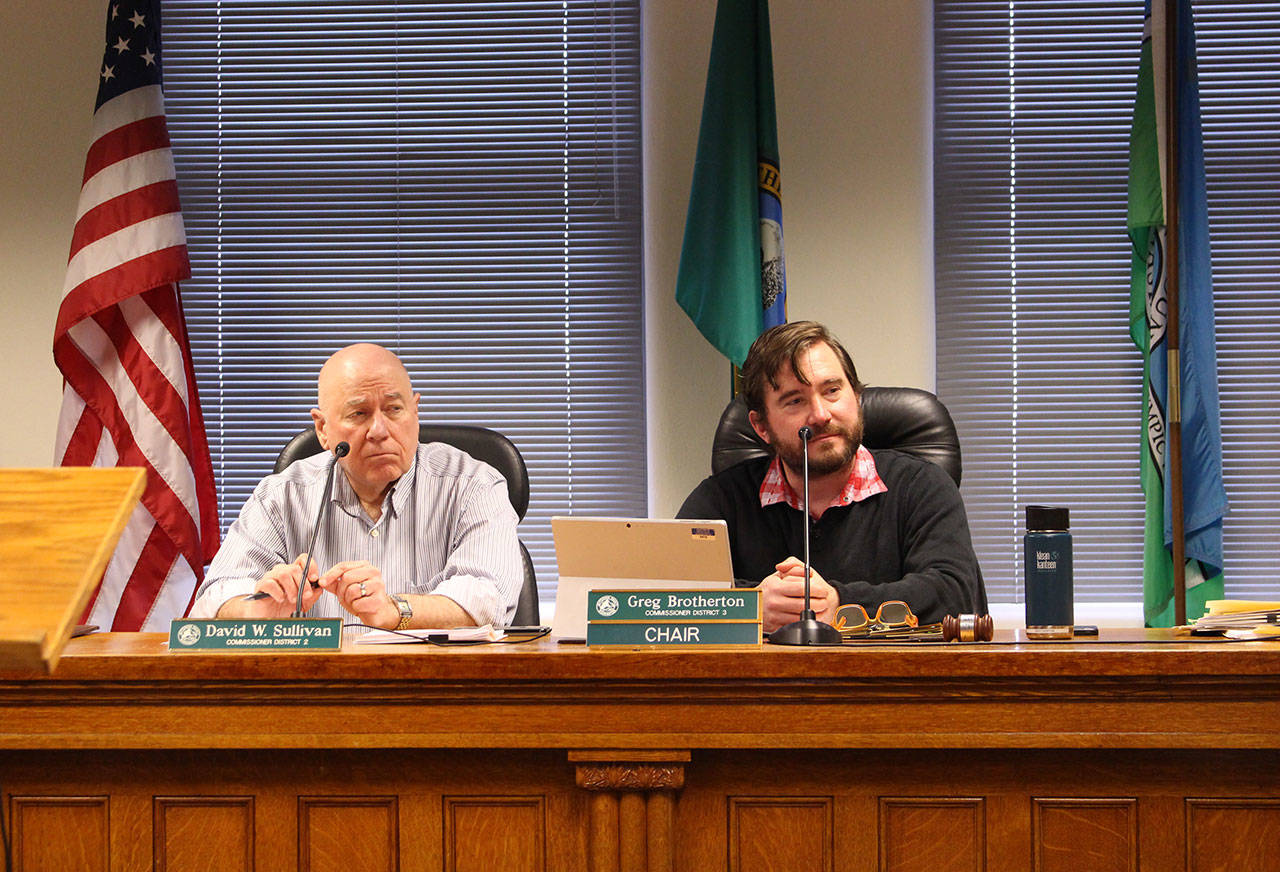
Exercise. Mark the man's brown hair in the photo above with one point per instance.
(782, 345)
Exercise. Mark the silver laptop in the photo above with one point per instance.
(633, 553)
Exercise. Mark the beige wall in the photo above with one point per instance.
(852, 82)
(46, 106)
(853, 127)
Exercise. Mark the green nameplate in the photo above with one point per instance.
(673, 633)
(740, 604)
(286, 634)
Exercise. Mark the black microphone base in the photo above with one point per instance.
(806, 631)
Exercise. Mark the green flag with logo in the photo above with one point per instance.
(732, 279)
(1204, 493)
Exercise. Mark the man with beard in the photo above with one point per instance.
(885, 525)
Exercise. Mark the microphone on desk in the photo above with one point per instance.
(808, 630)
(342, 449)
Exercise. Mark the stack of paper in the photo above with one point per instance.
(1241, 619)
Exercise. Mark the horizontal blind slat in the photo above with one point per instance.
(1032, 114)
(458, 181)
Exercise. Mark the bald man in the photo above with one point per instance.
(415, 535)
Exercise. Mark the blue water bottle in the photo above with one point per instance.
(1047, 561)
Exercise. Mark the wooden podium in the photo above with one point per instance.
(58, 528)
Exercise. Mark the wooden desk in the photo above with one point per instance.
(1094, 755)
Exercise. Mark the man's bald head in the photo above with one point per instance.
(354, 362)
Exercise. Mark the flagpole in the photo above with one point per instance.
(1173, 465)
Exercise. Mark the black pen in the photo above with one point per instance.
(262, 594)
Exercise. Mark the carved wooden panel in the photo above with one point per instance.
(630, 776)
(56, 833)
(937, 834)
(795, 833)
(213, 833)
(338, 834)
(1100, 835)
(1232, 834)
(486, 833)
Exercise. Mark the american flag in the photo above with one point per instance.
(129, 395)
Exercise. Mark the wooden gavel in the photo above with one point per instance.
(968, 628)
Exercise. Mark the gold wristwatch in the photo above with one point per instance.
(406, 610)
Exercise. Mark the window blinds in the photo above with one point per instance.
(458, 181)
(1032, 114)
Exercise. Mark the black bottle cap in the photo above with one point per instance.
(1047, 518)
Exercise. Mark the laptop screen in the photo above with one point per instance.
(633, 553)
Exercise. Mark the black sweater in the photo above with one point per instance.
(911, 543)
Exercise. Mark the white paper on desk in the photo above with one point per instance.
(1263, 631)
(487, 633)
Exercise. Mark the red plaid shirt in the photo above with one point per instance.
(863, 482)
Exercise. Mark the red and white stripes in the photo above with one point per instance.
(121, 344)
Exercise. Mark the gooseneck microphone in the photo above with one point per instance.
(805, 435)
(808, 630)
(342, 449)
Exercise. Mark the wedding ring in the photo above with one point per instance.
(362, 590)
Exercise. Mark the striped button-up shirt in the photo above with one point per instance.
(447, 527)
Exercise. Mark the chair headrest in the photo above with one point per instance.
(909, 420)
(481, 443)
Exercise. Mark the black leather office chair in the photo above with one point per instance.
(906, 419)
(483, 444)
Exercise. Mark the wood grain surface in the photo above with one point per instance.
(1133, 752)
(127, 691)
(58, 528)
